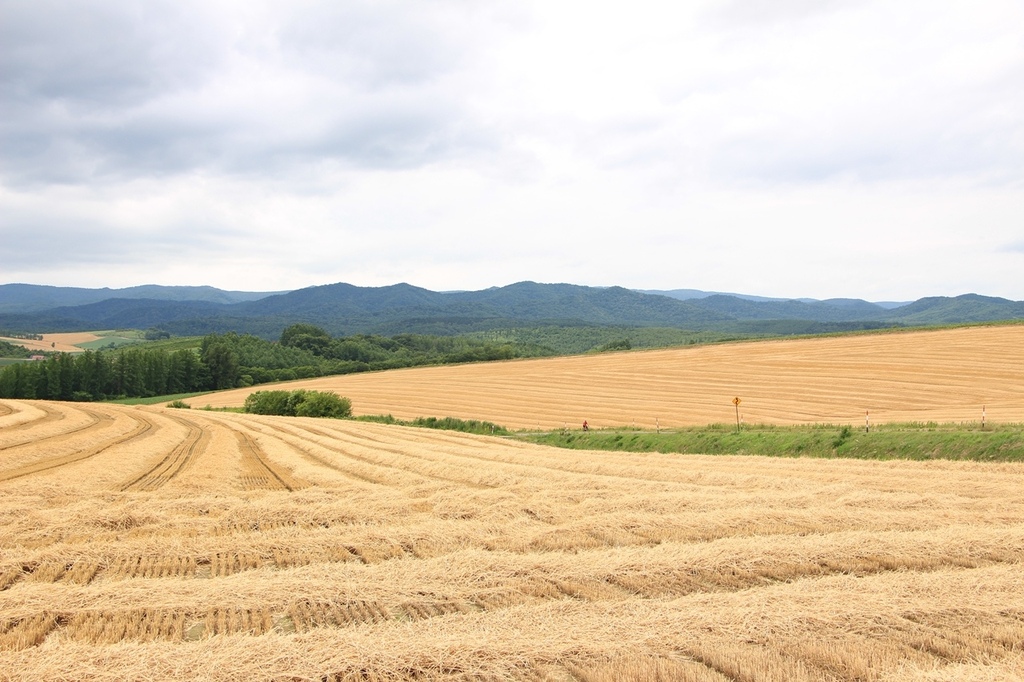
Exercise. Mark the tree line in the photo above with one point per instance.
(232, 360)
(101, 375)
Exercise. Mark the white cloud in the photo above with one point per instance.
(846, 148)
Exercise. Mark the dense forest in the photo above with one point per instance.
(231, 360)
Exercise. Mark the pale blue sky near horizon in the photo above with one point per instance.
(786, 148)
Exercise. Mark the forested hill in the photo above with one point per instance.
(28, 298)
(343, 309)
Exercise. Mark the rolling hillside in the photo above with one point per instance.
(943, 376)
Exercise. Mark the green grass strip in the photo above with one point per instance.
(1002, 443)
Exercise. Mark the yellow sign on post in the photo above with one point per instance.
(736, 401)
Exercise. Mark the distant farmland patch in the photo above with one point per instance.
(64, 342)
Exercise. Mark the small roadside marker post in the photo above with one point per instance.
(982, 417)
(867, 423)
(736, 401)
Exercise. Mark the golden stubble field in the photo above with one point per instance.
(151, 543)
(944, 376)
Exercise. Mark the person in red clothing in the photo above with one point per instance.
(585, 427)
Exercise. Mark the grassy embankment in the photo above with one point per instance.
(1004, 442)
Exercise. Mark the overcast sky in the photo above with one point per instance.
(820, 148)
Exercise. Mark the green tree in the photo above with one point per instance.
(19, 381)
(304, 333)
(54, 383)
(222, 363)
(130, 373)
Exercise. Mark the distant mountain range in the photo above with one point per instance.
(21, 298)
(345, 309)
(689, 294)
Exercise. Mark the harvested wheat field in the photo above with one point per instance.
(63, 342)
(943, 376)
(152, 544)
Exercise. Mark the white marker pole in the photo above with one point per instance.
(983, 416)
(867, 423)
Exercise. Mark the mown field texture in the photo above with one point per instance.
(943, 376)
(143, 543)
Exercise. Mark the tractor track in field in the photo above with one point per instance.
(142, 427)
(358, 441)
(286, 436)
(53, 415)
(522, 468)
(298, 433)
(261, 473)
(176, 461)
(49, 415)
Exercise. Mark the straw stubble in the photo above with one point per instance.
(275, 548)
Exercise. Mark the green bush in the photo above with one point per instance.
(298, 403)
(179, 404)
(267, 402)
(321, 404)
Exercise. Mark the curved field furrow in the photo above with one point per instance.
(142, 427)
(491, 463)
(311, 451)
(378, 453)
(344, 448)
(257, 470)
(179, 459)
(435, 446)
(11, 423)
(506, 456)
(53, 415)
